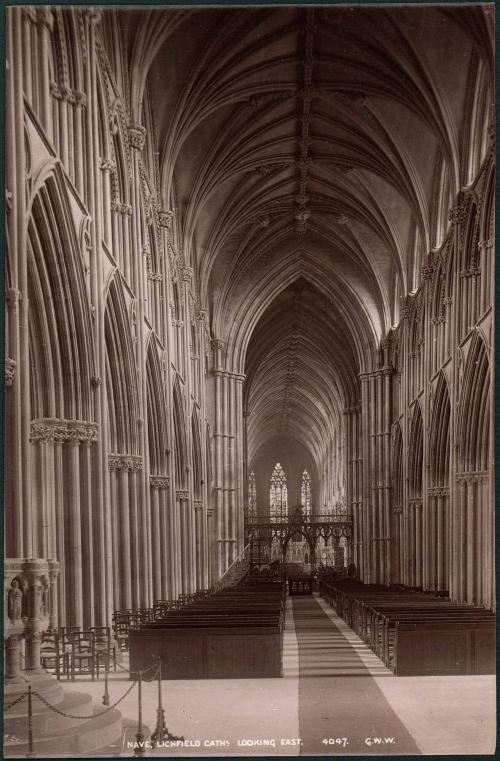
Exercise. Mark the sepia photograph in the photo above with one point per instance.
(248, 408)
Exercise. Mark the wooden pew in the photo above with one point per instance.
(235, 633)
(456, 638)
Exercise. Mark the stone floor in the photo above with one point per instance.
(261, 717)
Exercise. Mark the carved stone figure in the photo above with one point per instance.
(15, 601)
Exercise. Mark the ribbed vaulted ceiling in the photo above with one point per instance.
(311, 155)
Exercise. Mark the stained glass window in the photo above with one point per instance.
(278, 495)
(252, 497)
(305, 493)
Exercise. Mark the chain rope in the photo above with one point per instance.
(18, 700)
(86, 718)
(94, 715)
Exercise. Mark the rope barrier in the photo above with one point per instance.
(18, 700)
(86, 718)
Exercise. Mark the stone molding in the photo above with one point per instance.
(48, 429)
(128, 462)
(137, 136)
(159, 482)
(10, 370)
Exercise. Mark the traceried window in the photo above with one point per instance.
(305, 493)
(278, 495)
(252, 497)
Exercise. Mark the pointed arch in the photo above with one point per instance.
(474, 410)
(305, 493)
(278, 494)
(157, 412)
(179, 437)
(121, 373)
(252, 497)
(196, 456)
(415, 454)
(397, 468)
(439, 436)
(62, 356)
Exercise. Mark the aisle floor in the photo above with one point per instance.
(336, 698)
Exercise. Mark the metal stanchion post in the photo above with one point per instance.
(139, 749)
(105, 698)
(30, 752)
(160, 730)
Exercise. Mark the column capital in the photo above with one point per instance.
(159, 482)
(124, 462)
(182, 495)
(198, 504)
(53, 429)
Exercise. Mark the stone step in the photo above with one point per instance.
(46, 721)
(83, 738)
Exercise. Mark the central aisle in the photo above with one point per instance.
(341, 708)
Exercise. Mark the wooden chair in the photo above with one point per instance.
(82, 653)
(53, 655)
(104, 647)
(121, 626)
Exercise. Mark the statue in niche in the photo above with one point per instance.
(15, 601)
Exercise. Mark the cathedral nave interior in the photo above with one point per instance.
(249, 294)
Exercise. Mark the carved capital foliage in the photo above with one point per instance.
(155, 277)
(137, 136)
(217, 344)
(198, 504)
(159, 482)
(186, 274)
(66, 94)
(473, 272)
(122, 208)
(457, 214)
(47, 429)
(106, 165)
(202, 316)
(10, 371)
(165, 218)
(182, 496)
(124, 462)
(427, 271)
(439, 491)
